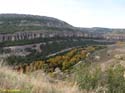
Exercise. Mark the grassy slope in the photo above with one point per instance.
(107, 75)
(99, 77)
(36, 82)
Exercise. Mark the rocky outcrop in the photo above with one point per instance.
(114, 36)
(38, 34)
(48, 34)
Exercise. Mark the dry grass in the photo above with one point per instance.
(36, 82)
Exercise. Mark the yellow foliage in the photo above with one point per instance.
(90, 48)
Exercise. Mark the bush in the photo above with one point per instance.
(116, 80)
(87, 77)
(91, 77)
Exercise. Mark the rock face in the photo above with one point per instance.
(38, 34)
(114, 36)
(48, 34)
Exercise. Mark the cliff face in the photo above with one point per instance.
(38, 34)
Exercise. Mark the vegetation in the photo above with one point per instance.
(31, 74)
(50, 48)
(90, 77)
(63, 61)
(11, 23)
(83, 77)
(65, 40)
(36, 82)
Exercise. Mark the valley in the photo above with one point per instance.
(40, 49)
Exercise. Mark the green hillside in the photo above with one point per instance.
(10, 23)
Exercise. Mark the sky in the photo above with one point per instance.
(79, 13)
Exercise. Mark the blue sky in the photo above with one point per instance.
(80, 13)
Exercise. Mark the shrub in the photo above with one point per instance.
(90, 77)
(116, 80)
(87, 77)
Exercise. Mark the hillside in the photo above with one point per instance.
(102, 72)
(10, 23)
(36, 82)
(19, 27)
